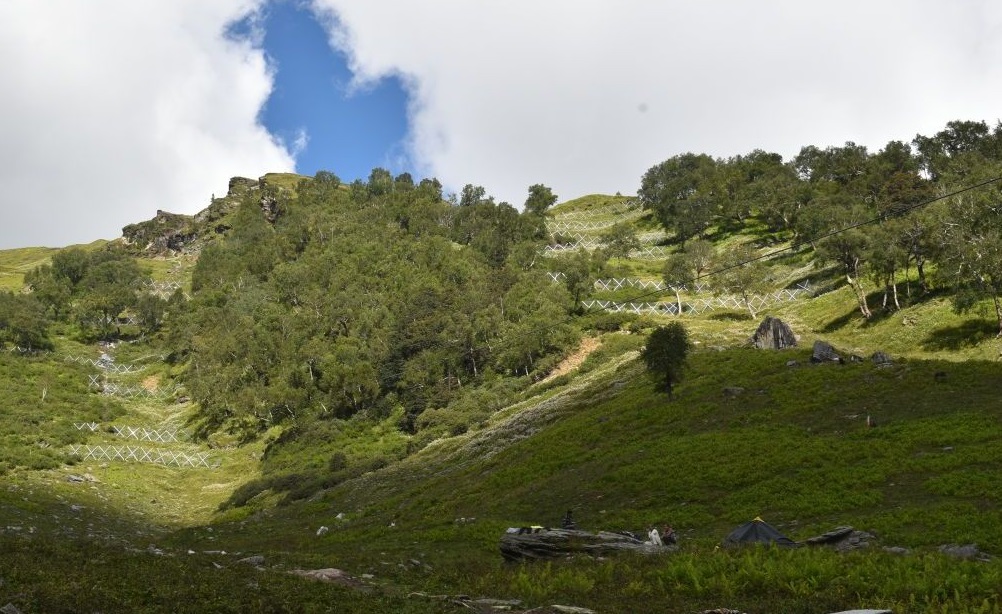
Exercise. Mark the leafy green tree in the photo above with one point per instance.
(620, 239)
(680, 193)
(540, 199)
(743, 274)
(52, 290)
(23, 322)
(701, 255)
(666, 354)
(106, 290)
(380, 182)
(71, 263)
(972, 258)
(849, 250)
(578, 277)
(150, 312)
(678, 272)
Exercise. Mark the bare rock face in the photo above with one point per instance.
(773, 334)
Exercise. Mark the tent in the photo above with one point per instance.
(758, 531)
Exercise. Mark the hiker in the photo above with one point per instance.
(655, 537)
(668, 536)
(568, 521)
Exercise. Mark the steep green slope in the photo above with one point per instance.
(749, 433)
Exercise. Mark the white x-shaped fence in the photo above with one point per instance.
(145, 434)
(141, 455)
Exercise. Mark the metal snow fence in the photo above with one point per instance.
(145, 434)
(140, 454)
(700, 306)
(132, 392)
(90, 426)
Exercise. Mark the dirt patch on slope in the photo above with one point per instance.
(588, 345)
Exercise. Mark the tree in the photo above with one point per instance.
(107, 289)
(972, 259)
(678, 273)
(23, 322)
(620, 239)
(742, 273)
(51, 290)
(666, 353)
(680, 193)
(540, 199)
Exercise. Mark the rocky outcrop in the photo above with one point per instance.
(773, 334)
(842, 539)
(551, 543)
(169, 234)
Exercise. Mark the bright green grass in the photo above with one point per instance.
(14, 263)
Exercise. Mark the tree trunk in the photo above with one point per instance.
(998, 314)
(678, 301)
(860, 296)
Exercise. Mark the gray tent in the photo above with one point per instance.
(758, 531)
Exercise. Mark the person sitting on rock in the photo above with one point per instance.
(567, 522)
(668, 536)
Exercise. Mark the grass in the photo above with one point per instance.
(14, 263)
(792, 445)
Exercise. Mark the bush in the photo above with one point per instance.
(608, 322)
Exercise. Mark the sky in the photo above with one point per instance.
(114, 109)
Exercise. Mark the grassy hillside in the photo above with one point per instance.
(749, 433)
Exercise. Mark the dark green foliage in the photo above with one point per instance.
(666, 353)
(96, 286)
(348, 297)
(680, 193)
(23, 323)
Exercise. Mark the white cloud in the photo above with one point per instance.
(113, 109)
(585, 95)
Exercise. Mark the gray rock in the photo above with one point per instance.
(792, 363)
(733, 391)
(773, 334)
(10, 608)
(896, 550)
(966, 551)
(824, 352)
(328, 575)
(554, 543)
(881, 359)
(322, 531)
(252, 560)
(842, 539)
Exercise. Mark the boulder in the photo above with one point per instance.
(552, 543)
(881, 359)
(329, 574)
(968, 552)
(773, 334)
(824, 352)
(842, 539)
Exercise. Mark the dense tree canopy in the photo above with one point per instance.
(366, 298)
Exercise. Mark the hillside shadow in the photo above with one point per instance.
(967, 334)
(842, 321)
